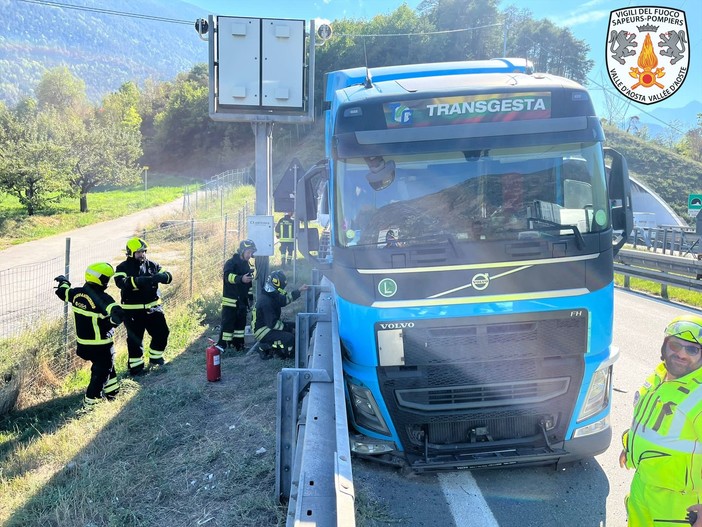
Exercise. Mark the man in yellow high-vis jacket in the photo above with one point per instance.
(664, 443)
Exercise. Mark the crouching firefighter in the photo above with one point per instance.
(95, 314)
(138, 278)
(271, 332)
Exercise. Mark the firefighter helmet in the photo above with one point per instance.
(686, 327)
(99, 273)
(276, 280)
(134, 245)
(246, 245)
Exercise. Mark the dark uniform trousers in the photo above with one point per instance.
(281, 342)
(152, 321)
(234, 324)
(103, 377)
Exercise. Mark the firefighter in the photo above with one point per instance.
(285, 231)
(95, 314)
(138, 279)
(236, 296)
(663, 442)
(271, 332)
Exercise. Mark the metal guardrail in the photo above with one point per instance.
(670, 239)
(312, 434)
(667, 270)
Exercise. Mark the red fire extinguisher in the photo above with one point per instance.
(213, 355)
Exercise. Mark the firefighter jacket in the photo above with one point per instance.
(138, 283)
(267, 313)
(285, 229)
(234, 291)
(95, 313)
(664, 443)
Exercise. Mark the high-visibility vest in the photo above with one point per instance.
(664, 441)
(285, 230)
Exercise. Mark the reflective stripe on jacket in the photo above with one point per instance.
(135, 279)
(234, 291)
(663, 443)
(91, 308)
(285, 230)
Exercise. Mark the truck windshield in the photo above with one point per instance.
(497, 194)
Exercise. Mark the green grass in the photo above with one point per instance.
(675, 294)
(173, 449)
(104, 204)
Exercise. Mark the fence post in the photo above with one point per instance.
(224, 244)
(192, 254)
(67, 273)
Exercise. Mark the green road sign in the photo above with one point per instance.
(694, 204)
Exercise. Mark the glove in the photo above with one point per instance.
(117, 315)
(61, 279)
(163, 278)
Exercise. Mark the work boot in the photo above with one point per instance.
(157, 362)
(136, 371)
(90, 402)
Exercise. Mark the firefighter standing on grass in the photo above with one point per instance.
(138, 279)
(285, 231)
(236, 292)
(96, 314)
(663, 443)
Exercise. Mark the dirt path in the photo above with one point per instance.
(119, 230)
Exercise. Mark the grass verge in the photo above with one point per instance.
(172, 450)
(675, 294)
(17, 227)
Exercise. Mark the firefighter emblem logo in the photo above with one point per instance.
(648, 52)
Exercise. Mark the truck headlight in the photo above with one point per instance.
(365, 410)
(597, 397)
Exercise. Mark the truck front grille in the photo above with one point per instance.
(510, 379)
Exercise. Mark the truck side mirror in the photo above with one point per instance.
(312, 203)
(622, 209)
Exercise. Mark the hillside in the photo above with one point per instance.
(105, 50)
(670, 175)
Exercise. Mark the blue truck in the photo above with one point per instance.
(472, 214)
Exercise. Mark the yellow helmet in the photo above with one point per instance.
(134, 245)
(99, 273)
(686, 327)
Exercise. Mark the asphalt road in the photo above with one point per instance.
(590, 493)
(27, 270)
(119, 230)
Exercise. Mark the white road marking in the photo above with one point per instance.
(465, 500)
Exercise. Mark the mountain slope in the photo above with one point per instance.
(105, 50)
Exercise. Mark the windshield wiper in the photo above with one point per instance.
(552, 226)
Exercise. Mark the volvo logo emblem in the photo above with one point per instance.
(480, 281)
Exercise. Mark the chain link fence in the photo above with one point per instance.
(37, 340)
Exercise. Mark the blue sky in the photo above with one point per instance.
(587, 20)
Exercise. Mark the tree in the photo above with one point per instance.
(479, 22)
(101, 152)
(32, 162)
(122, 107)
(691, 144)
(61, 90)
